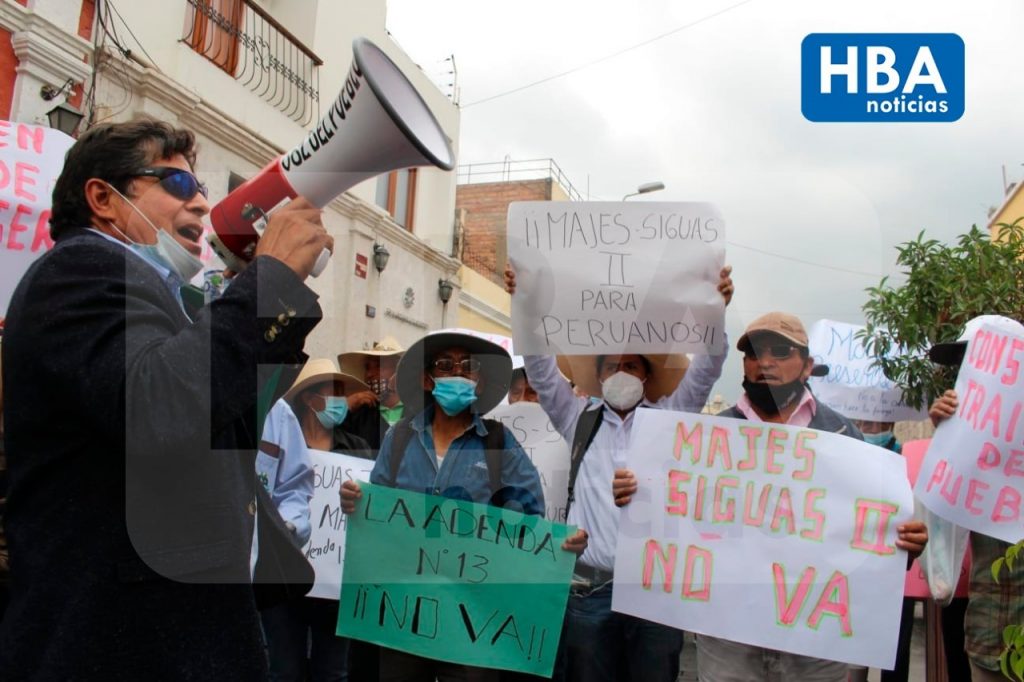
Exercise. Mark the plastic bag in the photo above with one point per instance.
(943, 556)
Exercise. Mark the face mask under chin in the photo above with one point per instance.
(166, 252)
(770, 399)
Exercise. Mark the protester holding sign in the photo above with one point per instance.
(133, 514)
(319, 400)
(443, 446)
(600, 644)
(992, 604)
(776, 366)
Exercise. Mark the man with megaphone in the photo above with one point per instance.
(130, 427)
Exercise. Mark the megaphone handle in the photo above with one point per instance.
(321, 263)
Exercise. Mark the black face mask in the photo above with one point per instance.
(772, 399)
(382, 388)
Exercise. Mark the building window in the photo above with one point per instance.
(215, 31)
(396, 194)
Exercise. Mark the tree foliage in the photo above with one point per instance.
(946, 286)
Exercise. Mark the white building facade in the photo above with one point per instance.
(251, 78)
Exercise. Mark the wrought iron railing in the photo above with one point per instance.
(509, 170)
(247, 43)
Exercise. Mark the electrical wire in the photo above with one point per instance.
(132, 34)
(805, 262)
(117, 70)
(608, 56)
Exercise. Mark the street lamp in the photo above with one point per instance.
(445, 290)
(64, 118)
(646, 188)
(380, 257)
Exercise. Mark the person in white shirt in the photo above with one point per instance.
(597, 644)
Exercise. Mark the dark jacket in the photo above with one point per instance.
(130, 444)
(369, 425)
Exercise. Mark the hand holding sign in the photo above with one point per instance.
(350, 494)
(944, 407)
(802, 531)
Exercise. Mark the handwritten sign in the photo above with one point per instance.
(854, 388)
(917, 582)
(973, 473)
(793, 528)
(31, 158)
(546, 449)
(455, 581)
(326, 547)
(604, 277)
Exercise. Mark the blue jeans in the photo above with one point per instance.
(302, 626)
(603, 646)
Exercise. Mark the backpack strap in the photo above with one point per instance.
(494, 451)
(399, 442)
(586, 428)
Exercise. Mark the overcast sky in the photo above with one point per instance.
(704, 95)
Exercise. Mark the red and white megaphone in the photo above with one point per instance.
(378, 123)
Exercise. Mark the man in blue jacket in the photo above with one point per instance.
(447, 381)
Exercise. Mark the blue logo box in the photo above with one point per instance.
(882, 77)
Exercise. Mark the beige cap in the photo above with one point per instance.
(781, 324)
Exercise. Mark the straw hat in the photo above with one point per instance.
(320, 370)
(496, 370)
(354, 362)
(666, 373)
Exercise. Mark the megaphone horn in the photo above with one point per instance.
(378, 123)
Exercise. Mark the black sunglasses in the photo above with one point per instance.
(779, 351)
(177, 182)
(447, 365)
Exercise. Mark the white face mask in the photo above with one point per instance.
(622, 390)
(167, 251)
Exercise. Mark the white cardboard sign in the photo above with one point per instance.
(616, 277)
(771, 535)
(326, 547)
(853, 387)
(31, 158)
(546, 449)
(973, 472)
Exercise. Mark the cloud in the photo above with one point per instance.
(714, 112)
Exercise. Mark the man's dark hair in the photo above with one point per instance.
(643, 358)
(113, 152)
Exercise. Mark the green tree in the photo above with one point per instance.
(946, 286)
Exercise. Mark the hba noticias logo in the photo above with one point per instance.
(882, 77)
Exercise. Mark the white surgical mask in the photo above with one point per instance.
(167, 251)
(622, 390)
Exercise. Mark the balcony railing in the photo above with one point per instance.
(251, 46)
(508, 170)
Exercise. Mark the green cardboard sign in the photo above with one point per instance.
(455, 581)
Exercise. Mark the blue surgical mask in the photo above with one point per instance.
(880, 439)
(167, 252)
(454, 394)
(334, 413)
